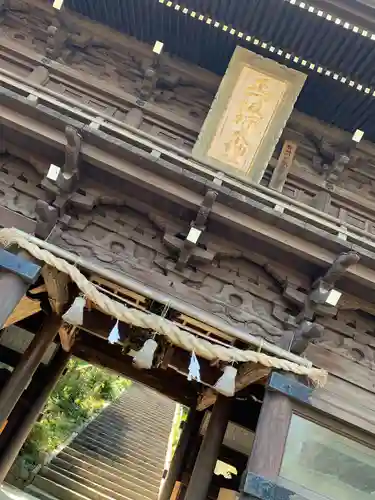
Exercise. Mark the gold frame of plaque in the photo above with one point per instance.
(254, 101)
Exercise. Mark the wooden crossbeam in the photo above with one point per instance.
(27, 307)
(249, 373)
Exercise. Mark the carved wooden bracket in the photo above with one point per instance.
(56, 40)
(69, 174)
(149, 81)
(63, 188)
(65, 36)
(148, 84)
(187, 251)
(302, 329)
(297, 340)
(189, 247)
(47, 216)
(67, 335)
(331, 161)
(322, 287)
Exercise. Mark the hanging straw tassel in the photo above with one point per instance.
(194, 368)
(74, 315)
(144, 358)
(114, 335)
(226, 384)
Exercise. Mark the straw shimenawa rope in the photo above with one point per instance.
(159, 325)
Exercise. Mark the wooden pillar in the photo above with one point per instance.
(209, 451)
(26, 368)
(52, 375)
(191, 428)
(270, 437)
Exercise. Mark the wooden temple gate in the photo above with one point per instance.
(168, 251)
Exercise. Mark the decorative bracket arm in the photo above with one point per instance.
(61, 183)
(148, 84)
(321, 300)
(331, 161)
(298, 339)
(190, 247)
(150, 76)
(69, 174)
(322, 290)
(58, 35)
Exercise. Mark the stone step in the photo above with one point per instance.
(91, 481)
(77, 485)
(123, 462)
(109, 430)
(134, 419)
(131, 426)
(37, 493)
(137, 442)
(119, 456)
(138, 473)
(105, 473)
(101, 447)
(138, 397)
(57, 490)
(131, 400)
(116, 486)
(139, 406)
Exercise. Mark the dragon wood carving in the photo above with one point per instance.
(242, 288)
(117, 59)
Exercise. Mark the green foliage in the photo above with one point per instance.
(79, 394)
(177, 427)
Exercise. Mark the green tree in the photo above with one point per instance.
(78, 396)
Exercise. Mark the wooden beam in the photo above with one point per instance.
(27, 366)
(248, 374)
(181, 359)
(100, 325)
(233, 217)
(8, 356)
(25, 308)
(67, 334)
(57, 288)
(52, 375)
(109, 356)
(12, 219)
(110, 93)
(191, 427)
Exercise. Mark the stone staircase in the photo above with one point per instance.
(120, 455)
